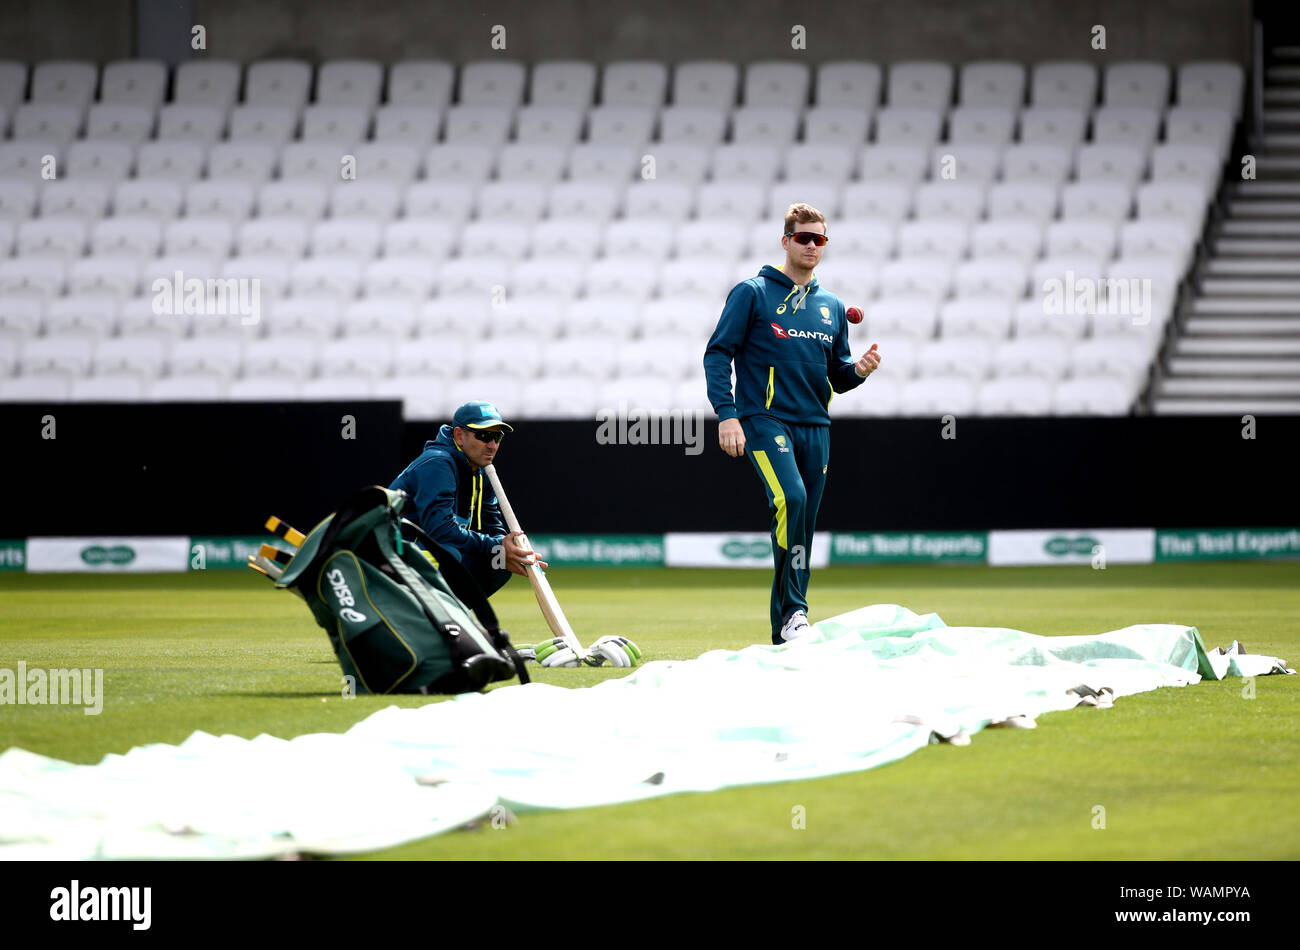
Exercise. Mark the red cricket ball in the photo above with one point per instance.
(854, 314)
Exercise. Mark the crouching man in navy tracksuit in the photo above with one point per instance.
(453, 501)
(788, 339)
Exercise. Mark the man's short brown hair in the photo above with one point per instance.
(802, 214)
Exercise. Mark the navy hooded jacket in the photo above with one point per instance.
(456, 507)
(790, 347)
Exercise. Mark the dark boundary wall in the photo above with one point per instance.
(672, 31)
(222, 469)
(188, 469)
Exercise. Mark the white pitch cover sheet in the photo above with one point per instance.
(866, 688)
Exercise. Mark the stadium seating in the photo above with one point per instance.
(586, 222)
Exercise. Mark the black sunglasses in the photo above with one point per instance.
(807, 237)
(492, 435)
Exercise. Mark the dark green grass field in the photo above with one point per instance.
(1194, 773)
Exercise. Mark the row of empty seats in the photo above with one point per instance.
(705, 83)
(432, 398)
(525, 356)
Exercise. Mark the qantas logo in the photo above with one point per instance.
(785, 334)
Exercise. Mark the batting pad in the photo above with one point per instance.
(865, 688)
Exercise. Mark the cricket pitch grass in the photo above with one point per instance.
(1204, 772)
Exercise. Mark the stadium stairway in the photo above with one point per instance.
(1239, 345)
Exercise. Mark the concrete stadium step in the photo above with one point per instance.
(1282, 73)
(1258, 266)
(1230, 387)
(1243, 228)
(1265, 189)
(1263, 208)
(1236, 346)
(1281, 96)
(1280, 141)
(1176, 406)
(1257, 247)
(1229, 366)
(1250, 287)
(1245, 306)
(1281, 118)
(1256, 326)
(1277, 166)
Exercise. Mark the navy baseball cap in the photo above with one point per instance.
(479, 415)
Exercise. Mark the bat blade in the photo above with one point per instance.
(546, 598)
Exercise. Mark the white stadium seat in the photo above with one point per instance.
(1126, 125)
(469, 124)
(556, 125)
(763, 124)
(191, 122)
(908, 125)
(120, 121)
(568, 83)
(207, 82)
(75, 199)
(1111, 162)
(912, 316)
(937, 396)
(349, 82)
(1136, 84)
(920, 83)
(999, 84)
(634, 83)
(387, 161)
(356, 238)
(415, 125)
(1067, 83)
(983, 124)
(702, 125)
(1044, 356)
(969, 162)
(1095, 238)
(177, 161)
(894, 163)
(836, 125)
(711, 84)
(776, 83)
(621, 124)
(933, 238)
(1097, 199)
(104, 160)
(1037, 161)
(1211, 84)
(47, 122)
(755, 161)
(340, 125)
(1053, 125)
(1014, 396)
(66, 82)
(278, 82)
(1191, 125)
(422, 82)
(986, 318)
(852, 84)
(492, 83)
(1092, 396)
(242, 161)
(531, 161)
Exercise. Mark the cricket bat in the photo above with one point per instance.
(555, 618)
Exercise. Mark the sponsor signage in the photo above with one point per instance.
(739, 549)
(228, 553)
(106, 555)
(594, 550)
(1218, 543)
(873, 547)
(1072, 546)
(13, 555)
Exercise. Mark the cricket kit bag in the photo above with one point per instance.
(400, 620)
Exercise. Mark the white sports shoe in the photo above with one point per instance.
(796, 627)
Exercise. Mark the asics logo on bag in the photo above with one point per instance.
(344, 596)
(785, 334)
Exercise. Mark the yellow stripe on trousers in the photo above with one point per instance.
(778, 496)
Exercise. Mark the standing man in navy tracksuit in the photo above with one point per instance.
(789, 341)
(454, 503)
